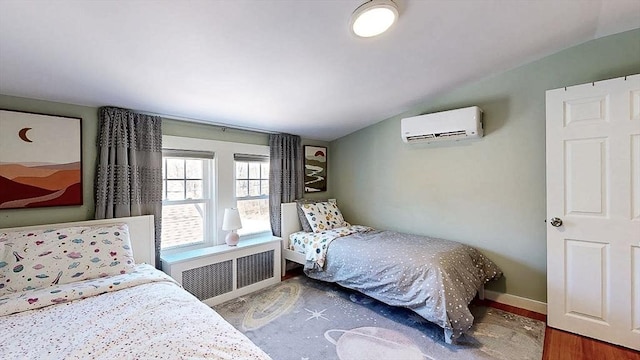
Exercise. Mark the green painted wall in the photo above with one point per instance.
(89, 115)
(488, 193)
(203, 131)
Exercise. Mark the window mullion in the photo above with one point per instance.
(184, 178)
(208, 181)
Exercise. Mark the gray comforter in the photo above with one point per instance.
(435, 278)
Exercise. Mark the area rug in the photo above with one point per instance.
(304, 319)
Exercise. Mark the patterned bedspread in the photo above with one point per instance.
(315, 245)
(140, 315)
(435, 278)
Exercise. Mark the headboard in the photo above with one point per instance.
(141, 232)
(289, 221)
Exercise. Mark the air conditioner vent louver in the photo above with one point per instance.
(460, 124)
(421, 137)
(452, 133)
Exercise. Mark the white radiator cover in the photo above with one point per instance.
(221, 273)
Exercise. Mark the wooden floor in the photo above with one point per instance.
(558, 345)
(562, 345)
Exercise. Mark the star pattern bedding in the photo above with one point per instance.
(142, 314)
(435, 278)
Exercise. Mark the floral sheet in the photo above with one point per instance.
(140, 315)
(315, 245)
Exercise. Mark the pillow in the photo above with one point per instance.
(323, 216)
(303, 219)
(41, 258)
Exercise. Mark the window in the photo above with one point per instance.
(252, 193)
(198, 187)
(186, 198)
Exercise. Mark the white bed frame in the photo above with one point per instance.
(289, 223)
(141, 233)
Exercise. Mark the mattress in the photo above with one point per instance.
(138, 315)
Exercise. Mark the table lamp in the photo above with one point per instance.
(231, 222)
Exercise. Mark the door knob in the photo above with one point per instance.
(556, 222)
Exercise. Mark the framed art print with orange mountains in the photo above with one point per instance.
(40, 160)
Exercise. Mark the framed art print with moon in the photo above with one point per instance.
(315, 169)
(40, 160)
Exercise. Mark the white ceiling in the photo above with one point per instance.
(280, 65)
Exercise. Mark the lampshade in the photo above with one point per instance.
(231, 219)
(374, 17)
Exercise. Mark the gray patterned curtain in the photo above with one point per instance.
(129, 173)
(286, 175)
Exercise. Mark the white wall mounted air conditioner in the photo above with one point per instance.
(453, 125)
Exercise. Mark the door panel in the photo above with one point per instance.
(589, 110)
(635, 177)
(587, 290)
(635, 288)
(635, 105)
(593, 185)
(586, 177)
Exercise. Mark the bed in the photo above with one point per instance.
(75, 291)
(435, 278)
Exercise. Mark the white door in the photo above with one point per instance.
(593, 210)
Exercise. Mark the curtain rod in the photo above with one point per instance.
(204, 122)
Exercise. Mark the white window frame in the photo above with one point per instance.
(223, 183)
(251, 158)
(208, 178)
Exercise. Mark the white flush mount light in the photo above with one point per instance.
(374, 17)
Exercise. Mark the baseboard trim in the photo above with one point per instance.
(517, 301)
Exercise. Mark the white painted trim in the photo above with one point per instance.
(517, 301)
(224, 174)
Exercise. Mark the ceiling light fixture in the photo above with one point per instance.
(374, 17)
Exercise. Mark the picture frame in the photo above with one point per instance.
(40, 160)
(315, 168)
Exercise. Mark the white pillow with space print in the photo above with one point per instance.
(39, 258)
(323, 216)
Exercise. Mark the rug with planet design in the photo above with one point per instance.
(304, 319)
